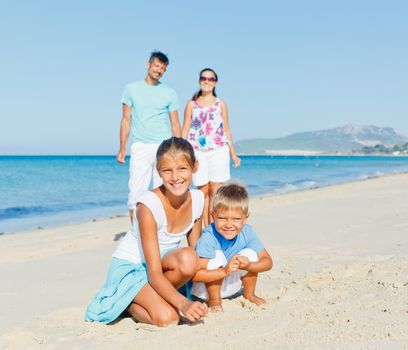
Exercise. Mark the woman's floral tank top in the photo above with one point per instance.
(206, 130)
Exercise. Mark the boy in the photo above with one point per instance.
(231, 254)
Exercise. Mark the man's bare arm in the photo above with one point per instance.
(124, 134)
(175, 124)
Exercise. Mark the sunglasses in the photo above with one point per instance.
(210, 80)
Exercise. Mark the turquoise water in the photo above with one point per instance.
(42, 191)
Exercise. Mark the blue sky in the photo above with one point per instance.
(283, 66)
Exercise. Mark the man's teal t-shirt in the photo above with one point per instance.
(150, 106)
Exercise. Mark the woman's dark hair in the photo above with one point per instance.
(199, 92)
(176, 145)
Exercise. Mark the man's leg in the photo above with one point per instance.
(140, 173)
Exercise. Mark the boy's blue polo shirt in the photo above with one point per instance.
(211, 241)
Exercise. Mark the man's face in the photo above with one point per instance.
(229, 221)
(156, 69)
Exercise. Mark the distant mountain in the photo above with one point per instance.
(338, 140)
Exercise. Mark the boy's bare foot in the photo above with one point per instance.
(216, 308)
(255, 299)
(215, 305)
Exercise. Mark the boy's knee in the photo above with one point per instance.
(250, 254)
(188, 261)
(165, 317)
(218, 261)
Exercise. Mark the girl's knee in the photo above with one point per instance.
(187, 260)
(165, 317)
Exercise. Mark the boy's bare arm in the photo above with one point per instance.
(207, 276)
(264, 263)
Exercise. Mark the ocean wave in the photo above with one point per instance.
(25, 211)
(295, 186)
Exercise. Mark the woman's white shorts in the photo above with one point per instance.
(213, 166)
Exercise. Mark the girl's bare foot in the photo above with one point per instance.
(255, 299)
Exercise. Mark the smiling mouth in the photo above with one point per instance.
(177, 184)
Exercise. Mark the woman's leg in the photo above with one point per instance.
(148, 306)
(206, 211)
(212, 188)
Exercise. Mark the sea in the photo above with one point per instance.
(45, 191)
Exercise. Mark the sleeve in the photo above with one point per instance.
(253, 240)
(126, 97)
(150, 200)
(198, 196)
(173, 105)
(206, 246)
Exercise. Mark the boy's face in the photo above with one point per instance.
(229, 221)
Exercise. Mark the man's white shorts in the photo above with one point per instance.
(142, 168)
(213, 166)
(232, 284)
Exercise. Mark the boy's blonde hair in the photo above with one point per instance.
(232, 195)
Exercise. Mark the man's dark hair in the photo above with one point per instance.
(160, 56)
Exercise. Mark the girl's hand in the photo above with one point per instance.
(194, 310)
(236, 161)
(243, 262)
(232, 266)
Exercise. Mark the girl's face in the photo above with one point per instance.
(176, 173)
(207, 81)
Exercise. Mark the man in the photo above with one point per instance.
(149, 116)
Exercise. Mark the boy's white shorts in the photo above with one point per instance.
(232, 284)
(141, 169)
(213, 166)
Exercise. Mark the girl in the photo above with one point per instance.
(206, 128)
(148, 266)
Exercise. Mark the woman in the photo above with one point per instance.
(206, 127)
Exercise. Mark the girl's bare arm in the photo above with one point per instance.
(195, 233)
(150, 244)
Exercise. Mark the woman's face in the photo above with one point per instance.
(207, 81)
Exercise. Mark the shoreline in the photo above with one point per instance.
(339, 277)
(255, 196)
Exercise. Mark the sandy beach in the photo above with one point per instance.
(340, 279)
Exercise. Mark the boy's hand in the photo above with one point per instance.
(243, 262)
(232, 266)
(194, 310)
